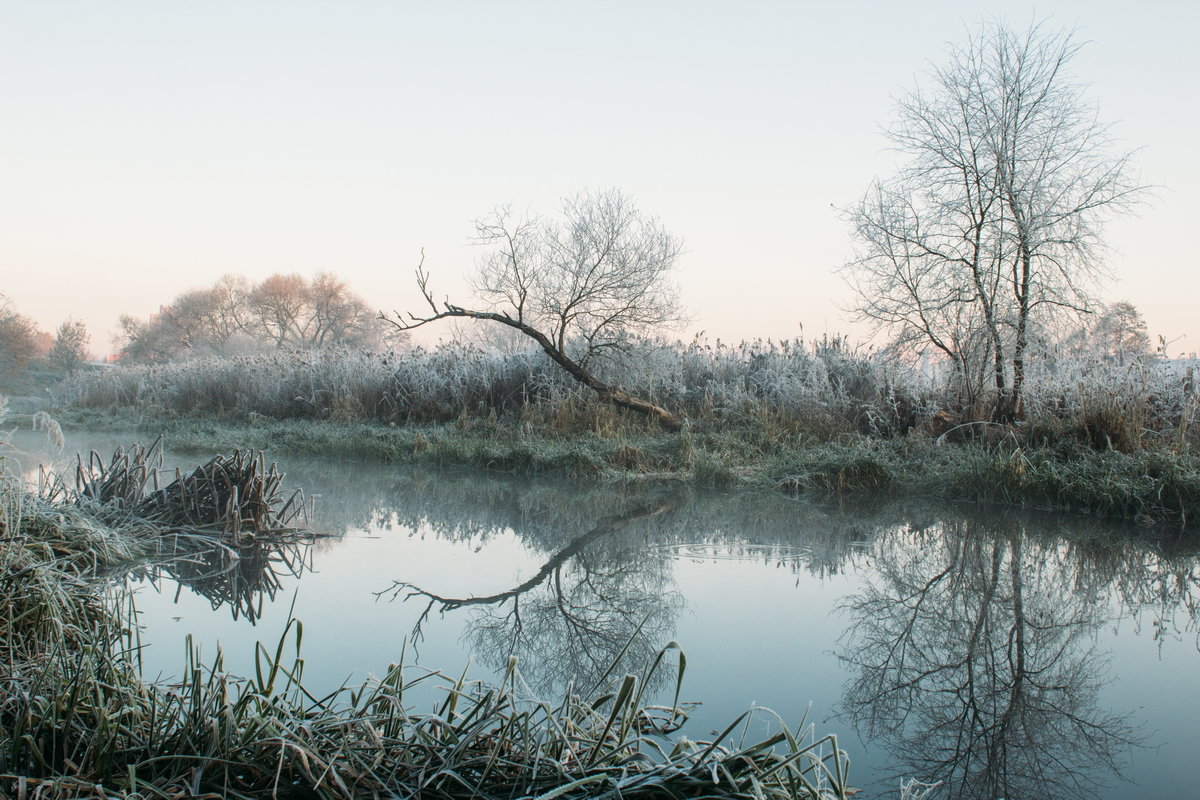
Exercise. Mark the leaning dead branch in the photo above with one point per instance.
(580, 288)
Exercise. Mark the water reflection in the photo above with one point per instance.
(973, 659)
(602, 594)
(585, 614)
(241, 578)
(1155, 581)
(977, 644)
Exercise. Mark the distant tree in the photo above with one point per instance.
(279, 308)
(188, 320)
(174, 332)
(1119, 333)
(18, 339)
(234, 316)
(228, 315)
(340, 316)
(69, 350)
(197, 322)
(994, 221)
(289, 310)
(142, 340)
(1115, 332)
(207, 320)
(582, 287)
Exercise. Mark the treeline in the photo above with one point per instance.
(22, 342)
(237, 317)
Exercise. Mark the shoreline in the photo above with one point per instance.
(1150, 487)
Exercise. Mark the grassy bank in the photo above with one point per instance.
(1150, 486)
(78, 720)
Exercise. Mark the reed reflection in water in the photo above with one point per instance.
(241, 578)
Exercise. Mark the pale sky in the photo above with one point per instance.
(149, 147)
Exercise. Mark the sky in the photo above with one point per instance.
(147, 148)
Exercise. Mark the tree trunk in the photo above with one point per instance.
(1019, 346)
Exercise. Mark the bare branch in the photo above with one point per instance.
(579, 287)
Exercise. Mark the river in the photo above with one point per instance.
(1002, 653)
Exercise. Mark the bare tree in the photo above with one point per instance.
(323, 311)
(197, 322)
(280, 309)
(180, 329)
(228, 315)
(995, 219)
(339, 315)
(582, 287)
(233, 316)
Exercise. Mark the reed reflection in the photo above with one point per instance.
(244, 577)
(973, 662)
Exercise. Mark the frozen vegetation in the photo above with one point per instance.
(1107, 435)
(818, 389)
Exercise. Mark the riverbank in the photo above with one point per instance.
(78, 720)
(1159, 486)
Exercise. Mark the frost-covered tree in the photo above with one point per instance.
(69, 350)
(234, 316)
(582, 286)
(289, 310)
(18, 338)
(1120, 333)
(994, 220)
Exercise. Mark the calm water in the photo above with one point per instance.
(1006, 654)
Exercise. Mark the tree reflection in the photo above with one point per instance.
(1157, 581)
(974, 664)
(588, 610)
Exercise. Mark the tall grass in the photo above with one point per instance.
(822, 385)
(816, 390)
(78, 720)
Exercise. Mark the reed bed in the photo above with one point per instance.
(1148, 487)
(236, 496)
(819, 390)
(826, 384)
(78, 721)
(1103, 437)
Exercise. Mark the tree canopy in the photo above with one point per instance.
(234, 316)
